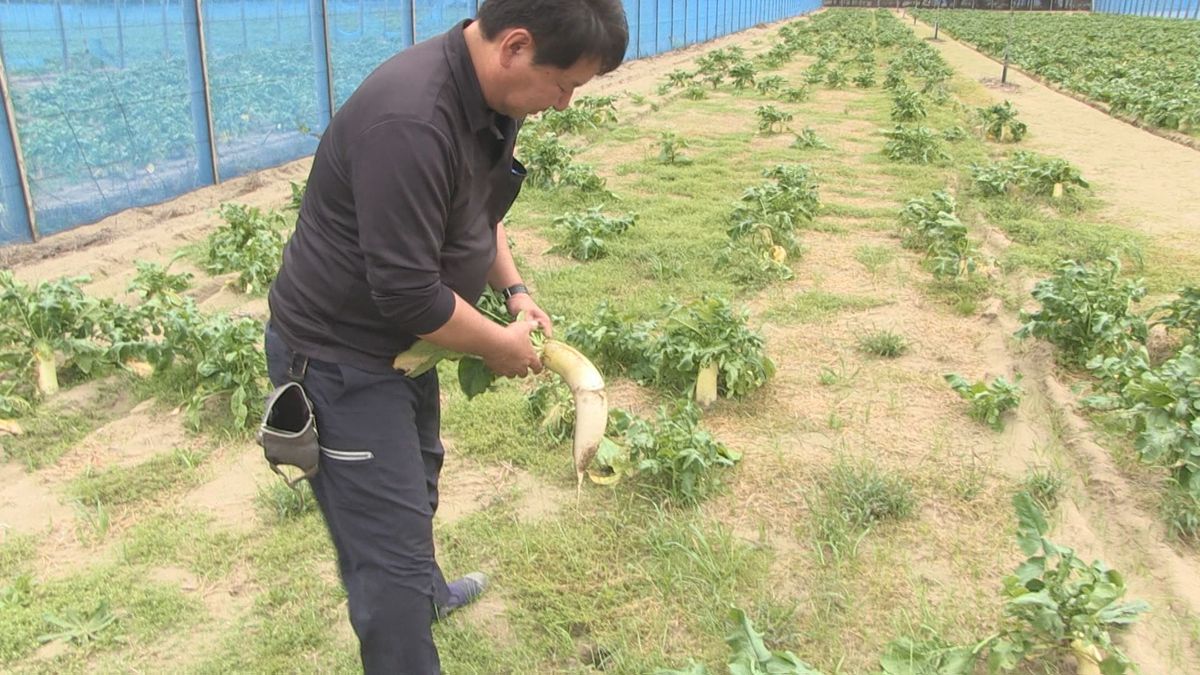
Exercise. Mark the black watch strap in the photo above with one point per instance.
(515, 289)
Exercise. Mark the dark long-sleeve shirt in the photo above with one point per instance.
(407, 185)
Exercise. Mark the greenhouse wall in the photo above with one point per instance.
(112, 104)
(1166, 9)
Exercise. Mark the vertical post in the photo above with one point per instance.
(1007, 44)
(60, 24)
(166, 34)
(1196, 10)
(637, 39)
(685, 18)
(120, 34)
(12, 164)
(412, 7)
(198, 92)
(323, 78)
(671, 30)
(656, 50)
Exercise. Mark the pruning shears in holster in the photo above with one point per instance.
(288, 432)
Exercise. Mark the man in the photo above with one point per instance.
(398, 233)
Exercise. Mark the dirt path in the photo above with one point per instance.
(1149, 182)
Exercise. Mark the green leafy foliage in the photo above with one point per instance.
(771, 120)
(914, 145)
(1165, 406)
(250, 243)
(79, 628)
(769, 214)
(585, 114)
(153, 280)
(297, 198)
(1056, 602)
(906, 656)
(770, 84)
(742, 75)
(807, 139)
(999, 123)
(670, 147)
(1037, 175)
(1138, 67)
(707, 331)
(750, 654)
(1182, 313)
(836, 78)
(796, 94)
(907, 105)
(930, 225)
(754, 264)
(1085, 311)
(672, 453)
(989, 400)
(584, 234)
(548, 162)
(53, 326)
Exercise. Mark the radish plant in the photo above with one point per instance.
(913, 145)
(865, 79)
(770, 212)
(771, 120)
(250, 243)
(808, 139)
(671, 453)
(796, 94)
(989, 400)
(907, 106)
(751, 655)
(549, 163)
(585, 234)
(1085, 311)
(836, 78)
(670, 146)
(1057, 603)
(46, 327)
(707, 347)
(770, 84)
(999, 123)
(742, 75)
(754, 264)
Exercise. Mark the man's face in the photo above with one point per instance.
(533, 88)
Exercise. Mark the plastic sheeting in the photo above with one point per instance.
(112, 110)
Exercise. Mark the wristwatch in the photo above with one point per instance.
(514, 290)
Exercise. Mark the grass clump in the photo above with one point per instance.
(885, 343)
(856, 497)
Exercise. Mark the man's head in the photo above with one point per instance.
(539, 51)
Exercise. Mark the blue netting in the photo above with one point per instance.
(1167, 9)
(109, 101)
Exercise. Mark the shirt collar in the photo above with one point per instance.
(470, 94)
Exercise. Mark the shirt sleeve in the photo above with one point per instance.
(402, 180)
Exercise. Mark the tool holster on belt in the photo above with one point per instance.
(288, 433)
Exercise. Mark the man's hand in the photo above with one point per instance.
(522, 302)
(513, 355)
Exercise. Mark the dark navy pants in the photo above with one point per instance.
(377, 488)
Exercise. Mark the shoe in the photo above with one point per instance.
(462, 592)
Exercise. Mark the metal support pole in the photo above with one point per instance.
(637, 50)
(656, 49)
(685, 18)
(323, 77)
(12, 163)
(166, 35)
(198, 92)
(120, 34)
(60, 24)
(412, 7)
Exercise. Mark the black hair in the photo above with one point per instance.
(563, 30)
